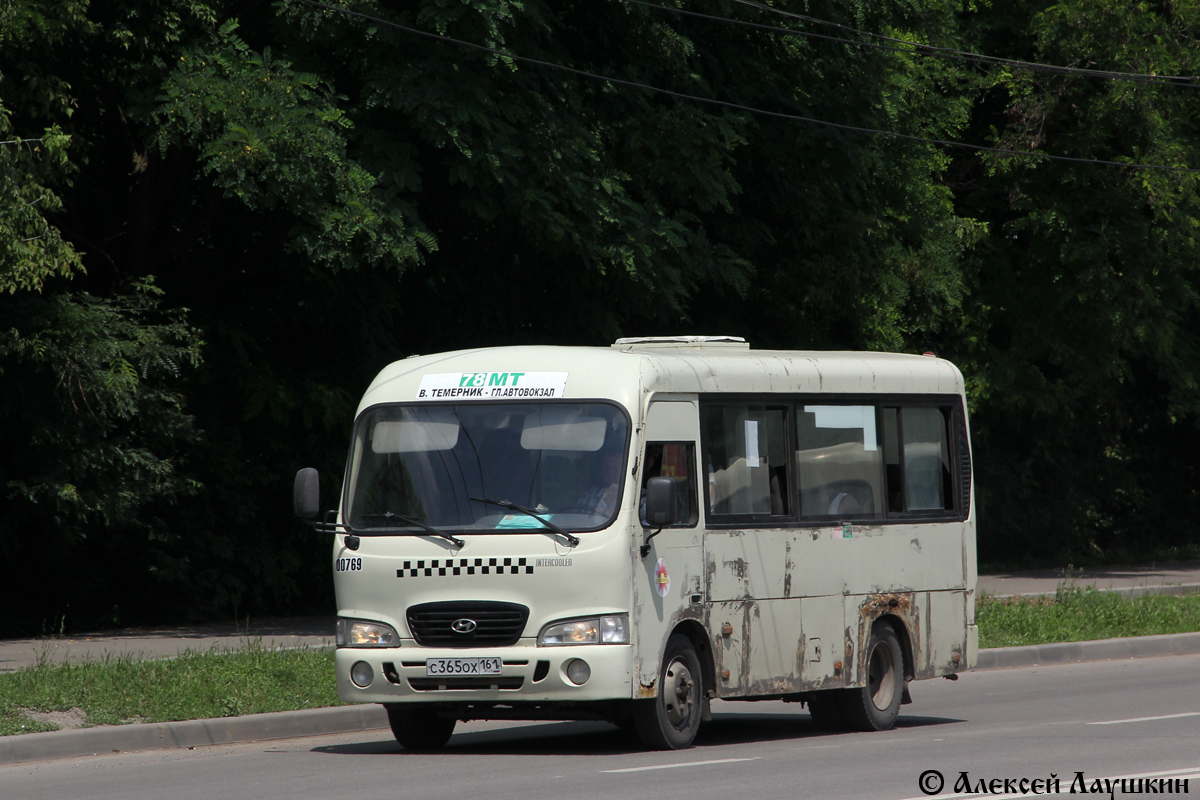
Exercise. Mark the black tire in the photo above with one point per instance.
(419, 728)
(670, 721)
(825, 710)
(875, 706)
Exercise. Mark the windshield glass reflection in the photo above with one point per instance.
(563, 461)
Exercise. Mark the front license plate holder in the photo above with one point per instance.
(461, 667)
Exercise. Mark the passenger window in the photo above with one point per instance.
(927, 482)
(839, 462)
(675, 460)
(917, 454)
(746, 460)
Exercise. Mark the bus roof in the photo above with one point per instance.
(632, 368)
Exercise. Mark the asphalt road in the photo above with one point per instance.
(1104, 719)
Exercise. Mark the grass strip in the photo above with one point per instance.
(222, 682)
(1075, 614)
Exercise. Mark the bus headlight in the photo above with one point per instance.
(609, 629)
(362, 633)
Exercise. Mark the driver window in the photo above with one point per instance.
(675, 460)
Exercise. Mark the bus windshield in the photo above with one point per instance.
(439, 463)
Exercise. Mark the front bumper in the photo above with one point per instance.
(399, 675)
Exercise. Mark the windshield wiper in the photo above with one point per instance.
(417, 523)
(574, 540)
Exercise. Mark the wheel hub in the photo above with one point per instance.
(678, 694)
(879, 677)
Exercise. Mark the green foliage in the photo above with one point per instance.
(32, 250)
(270, 137)
(94, 428)
(250, 679)
(324, 194)
(1081, 332)
(33, 158)
(1077, 614)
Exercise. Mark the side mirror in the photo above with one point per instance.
(306, 493)
(661, 508)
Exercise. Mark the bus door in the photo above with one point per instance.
(752, 550)
(669, 585)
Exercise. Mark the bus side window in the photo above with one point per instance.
(746, 453)
(916, 446)
(927, 479)
(839, 461)
(891, 460)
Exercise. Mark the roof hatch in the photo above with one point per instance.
(682, 342)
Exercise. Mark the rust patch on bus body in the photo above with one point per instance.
(788, 566)
(738, 568)
(643, 689)
(776, 686)
(749, 610)
(726, 651)
(876, 605)
(901, 606)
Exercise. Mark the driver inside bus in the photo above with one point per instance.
(601, 498)
(653, 469)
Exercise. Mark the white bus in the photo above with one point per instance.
(626, 533)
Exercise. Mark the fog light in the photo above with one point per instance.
(578, 671)
(362, 674)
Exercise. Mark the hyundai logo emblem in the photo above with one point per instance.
(463, 625)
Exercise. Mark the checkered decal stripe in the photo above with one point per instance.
(441, 567)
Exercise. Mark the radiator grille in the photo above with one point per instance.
(496, 624)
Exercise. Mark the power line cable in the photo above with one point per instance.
(738, 106)
(946, 52)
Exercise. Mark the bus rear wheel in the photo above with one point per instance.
(875, 706)
(418, 727)
(670, 721)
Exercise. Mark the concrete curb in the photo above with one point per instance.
(1124, 591)
(352, 719)
(1173, 644)
(190, 733)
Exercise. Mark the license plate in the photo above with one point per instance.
(462, 666)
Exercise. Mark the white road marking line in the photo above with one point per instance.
(1146, 719)
(685, 764)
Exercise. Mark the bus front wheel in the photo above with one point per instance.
(419, 727)
(875, 706)
(670, 721)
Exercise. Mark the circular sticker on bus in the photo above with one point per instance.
(662, 578)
